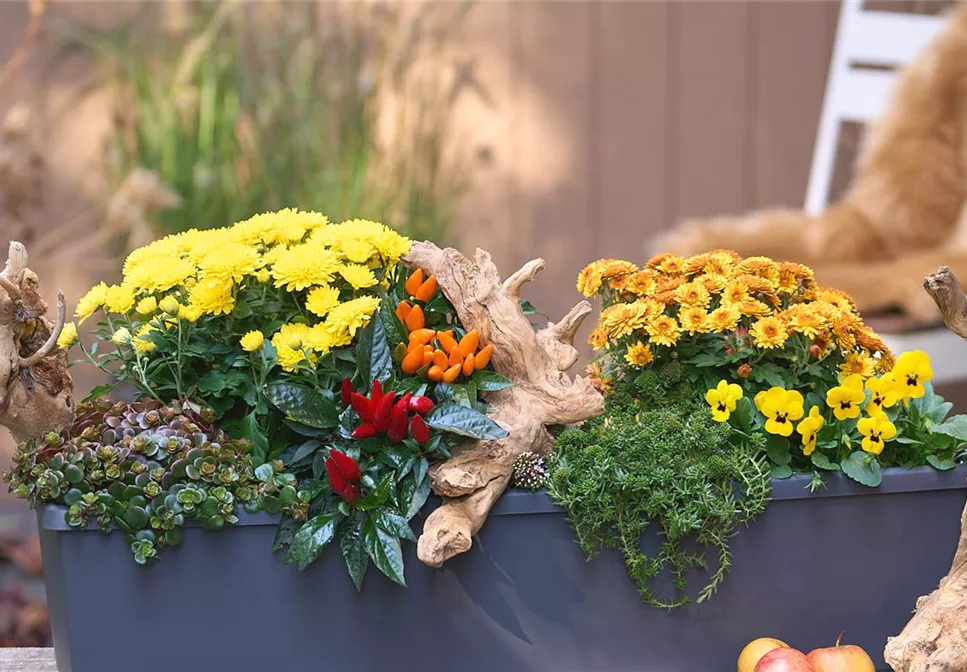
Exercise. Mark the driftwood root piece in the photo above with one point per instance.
(543, 394)
(36, 391)
(935, 639)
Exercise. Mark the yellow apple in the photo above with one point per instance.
(755, 649)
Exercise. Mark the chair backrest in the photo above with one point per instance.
(858, 86)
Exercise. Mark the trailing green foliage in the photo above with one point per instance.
(657, 457)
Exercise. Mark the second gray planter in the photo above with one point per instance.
(523, 599)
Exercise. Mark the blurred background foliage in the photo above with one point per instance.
(224, 109)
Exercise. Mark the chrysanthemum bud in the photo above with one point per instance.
(170, 305)
(121, 337)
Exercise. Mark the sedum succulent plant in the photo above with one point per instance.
(147, 468)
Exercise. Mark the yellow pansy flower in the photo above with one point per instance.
(722, 398)
(911, 371)
(781, 408)
(876, 431)
(846, 398)
(809, 429)
(884, 393)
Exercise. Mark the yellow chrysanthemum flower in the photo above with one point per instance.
(639, 354)
(91, 302)
(713, 282)
(806, 321)
(262, 275)
(669, 264)
(158, 274)
(356, 251)
(809, 430)
(762, 267)
(641, 283)
(170, 305)
(213, 296)
(358, 276)
(735, 292)
(845, 399)
(623, 319)
(911, 371)
(695, 264)
(753, 308)
(303, 266)
(190, 313)
(598, 338)
(119, 299)
(68, 336)
(723, 398)
(252, 341)
(860, 363)
(141, 343)
(724, 318)
(769, 332)
(876, 430)
(321, 300)
(293, 334)
(231, 261)
(782, 408)
(347, 318)
(694, 320)
(147, 305)
(589, 279)
(693, 294)
(663, 330)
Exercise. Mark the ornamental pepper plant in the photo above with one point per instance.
(285, 326)
(721, 373)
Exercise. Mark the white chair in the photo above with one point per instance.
(857, 90)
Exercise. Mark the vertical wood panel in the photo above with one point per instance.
(554, 92)
(631, 186)
(711, 84)
(792, 57)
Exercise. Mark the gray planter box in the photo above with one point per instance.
(523, 599)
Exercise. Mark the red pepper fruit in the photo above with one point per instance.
(404, 402)
(364, 407)
(336, 478)
(420, 430)
(364, 431)
(377, 394)
(399, 424)
(347, 392)
(421, 405)
(347, 465)
(381, 417)
(350, 494)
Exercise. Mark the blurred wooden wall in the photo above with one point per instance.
(599, 123)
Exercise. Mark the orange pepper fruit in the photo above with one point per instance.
(422, 336)
(413, 345)
(426, 290)
(468, 365)
(451, 374)
(414, 281)
(413, 361)
(455, 357)
(482, 358)
(403, 310)
(440, 359)
(468, 344)
(436, 374)
(446, 341)
(415, 319)
(427, 353)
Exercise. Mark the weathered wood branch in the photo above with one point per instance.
(543, 394)
(36, 391)
(935, 639)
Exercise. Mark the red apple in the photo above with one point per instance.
(754, 651)
(838, 658)
(784, 660)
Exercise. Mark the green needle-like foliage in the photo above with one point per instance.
(657, 457)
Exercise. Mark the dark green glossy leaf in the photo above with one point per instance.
(305, 450)
(99, 390)
(351, 546)
(311, 538)
(395, 524)
(414, 495)
(315, 408)
(378, 496)
(863, 468)
(490, 381)
(741, 417)
(456, 419)
(384, 550)
(395, 333)
(286, 530)
(374, 355)
(250, 429)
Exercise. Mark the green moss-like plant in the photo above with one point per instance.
(657, 457)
